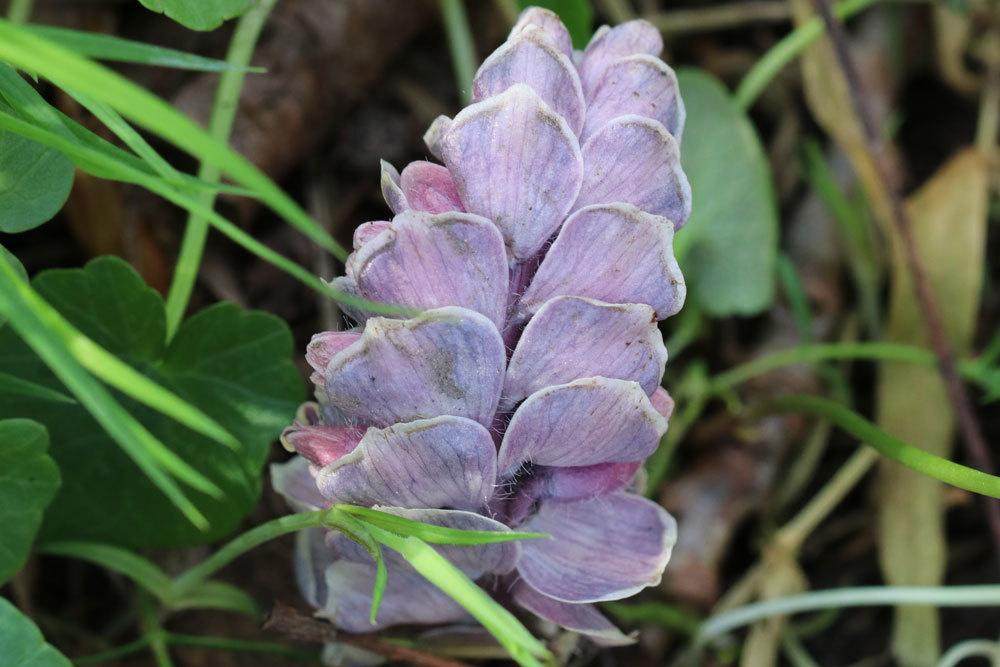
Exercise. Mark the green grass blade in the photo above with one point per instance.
(69, 70)
(215, 595)
(434, 534)
(148, 453)
(117, 49)
(912, 457)
(11, 384)
(123, 377)
(522, 646)
(108, 166)
(124, 562)
(127, 134)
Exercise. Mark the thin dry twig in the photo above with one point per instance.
(285, 620)
(876, 144)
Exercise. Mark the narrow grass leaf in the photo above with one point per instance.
(148, 453)
(116, 49)
(127, 563)
(434, 534)
(524, 648)
(891, 447)
(69, 70)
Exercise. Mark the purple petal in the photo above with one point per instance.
(431, 261)
(641, 85)
(530, 57)
(606, 548)
(517, 163)
(347, 285)
(409, 599)
(391, 190)
(429, 187)
(572, 338)
(440, 462)
(435, 133)
(581, 618)
(615, 253)
(589, 421)
(611, 44)
(294, 481)
(448, 361)
(549, 22)
(312, 558)
(634, 159)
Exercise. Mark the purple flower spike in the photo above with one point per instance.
(526, 394)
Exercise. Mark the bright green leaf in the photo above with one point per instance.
(34, 183)
(8, 256)
(233, 365)
(577, 15)
(28, 482)
(199, 14)
(22, 644)
(728, 249)
(435, 534)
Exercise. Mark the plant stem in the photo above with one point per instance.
(719, 17)
(241, 646)
(972, 648)
(911, 354)
(113, 653)
(864, 596)
(786, 50)
(253, 538)
(912, 457)
(220, 126)
(875, 144)
(154, 633)
(461, 46)
(19, 11)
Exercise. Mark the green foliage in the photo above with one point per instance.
(234, 365)
(576, 14)
(21, 643)
(8, 256)
(108, 47)
(28, 482)
(728, 250)
(34, 182)
(199, 14)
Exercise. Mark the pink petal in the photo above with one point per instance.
(366, 231)
(663, 403)
(572, 337)
(517, 163)
(590, 421)
(587, 481)
(615, 253)
(633, 159)
(447, 361)
(530, 57)
(440, 462)
(549, 22)
(637, 85)
(430, 261)
(611, 44)
(434, 135)
(581, 618)
(606, 548)
(429, 187)
(324, 345)
(320, 444)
